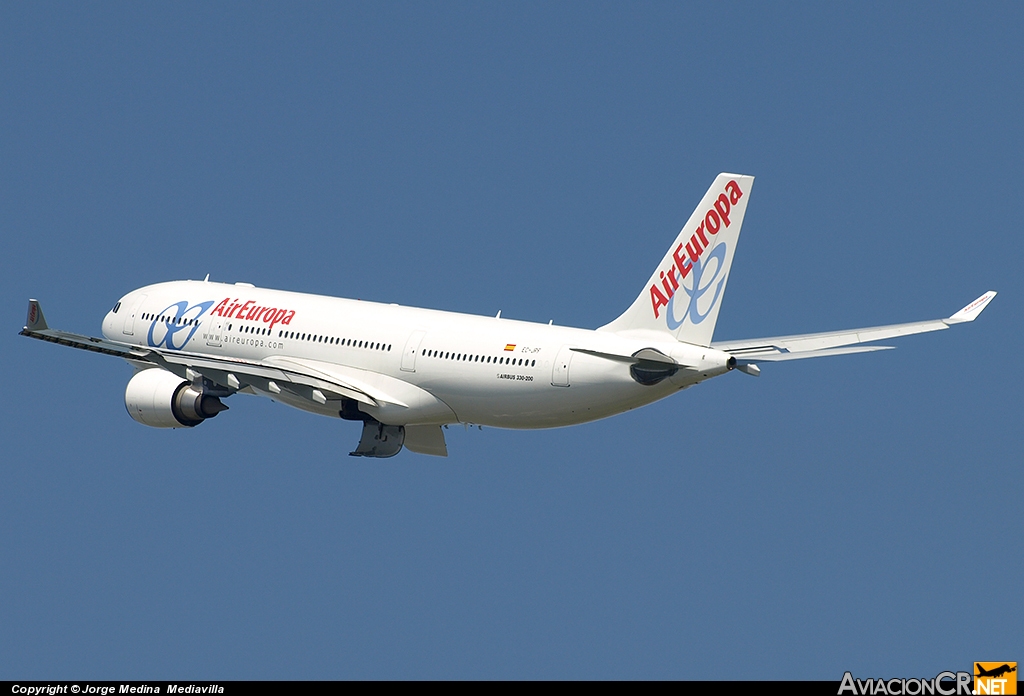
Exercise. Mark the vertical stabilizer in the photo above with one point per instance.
(685, 292)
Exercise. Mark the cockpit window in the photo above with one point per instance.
(116, 307)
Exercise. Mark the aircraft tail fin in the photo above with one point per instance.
(684, 294)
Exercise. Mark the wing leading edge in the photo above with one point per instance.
(817, 345)
(232, 374)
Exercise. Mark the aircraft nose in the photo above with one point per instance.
(109, 321)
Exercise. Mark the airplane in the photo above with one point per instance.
(995, 672)
(406, 373)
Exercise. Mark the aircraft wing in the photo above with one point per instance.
(752, 351)
(231, 374)
(35, 327)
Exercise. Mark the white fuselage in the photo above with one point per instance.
(432, 367)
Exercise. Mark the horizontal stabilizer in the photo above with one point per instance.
(644, 355)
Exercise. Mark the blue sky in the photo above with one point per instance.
(853, 513)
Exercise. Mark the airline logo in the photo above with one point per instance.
(250, 311)
(689, 269)
(175, 325)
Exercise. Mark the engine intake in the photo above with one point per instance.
(159, 399)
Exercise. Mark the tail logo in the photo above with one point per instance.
(699, 290)
(695, 260)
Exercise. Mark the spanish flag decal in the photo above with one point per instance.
(510, 346)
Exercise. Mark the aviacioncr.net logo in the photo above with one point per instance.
(703, 282)
(943, 684)
(174, 326)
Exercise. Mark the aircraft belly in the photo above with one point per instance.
(541, 405)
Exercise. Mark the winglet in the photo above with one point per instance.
(971, 311)
(35, 320)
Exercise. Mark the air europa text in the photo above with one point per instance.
(713, 221)
(250, 311)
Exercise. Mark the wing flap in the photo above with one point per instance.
(281, 372)
(828, 352)
(328, 373)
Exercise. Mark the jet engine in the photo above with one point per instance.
(159, 399)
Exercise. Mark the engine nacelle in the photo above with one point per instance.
(159, 399)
